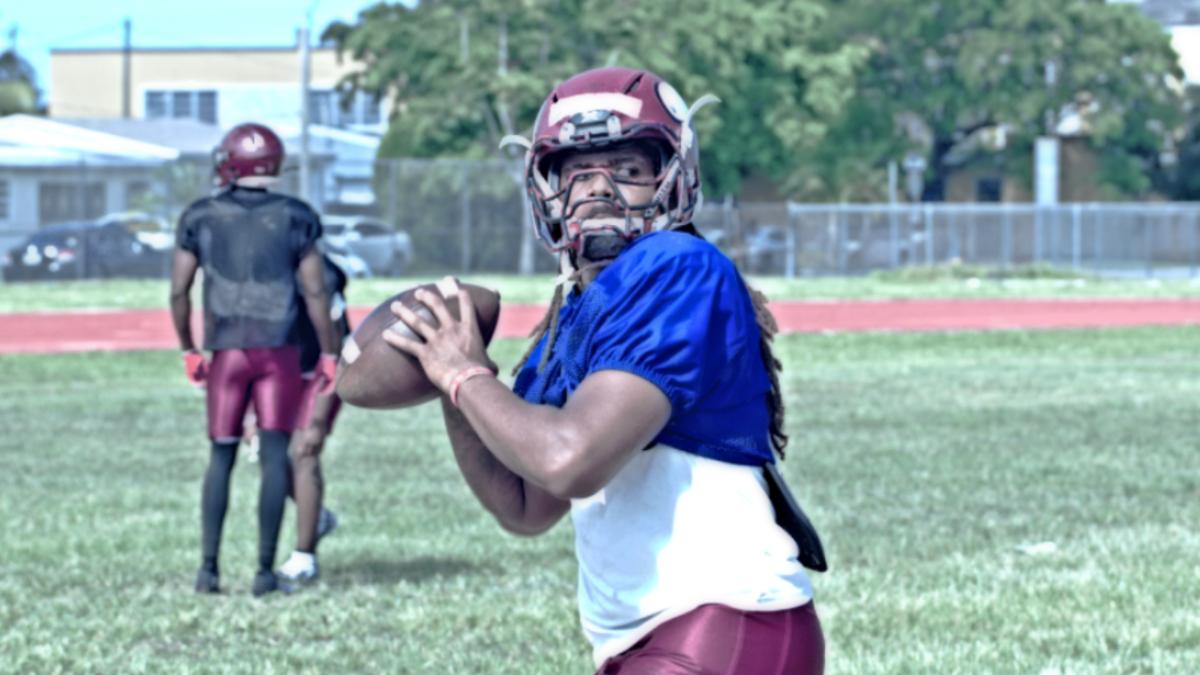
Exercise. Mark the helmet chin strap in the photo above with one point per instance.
(601, 240)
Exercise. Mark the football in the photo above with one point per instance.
(374, 374)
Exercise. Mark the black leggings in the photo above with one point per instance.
(273, 491)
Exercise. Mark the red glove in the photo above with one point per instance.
(195, 366)
(327, 374)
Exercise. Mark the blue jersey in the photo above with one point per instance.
(673, 310)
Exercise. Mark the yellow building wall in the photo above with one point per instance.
(87, 83)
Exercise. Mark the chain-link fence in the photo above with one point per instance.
(1148, 239)
(463, 216)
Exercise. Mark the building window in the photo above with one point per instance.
(3, 200)
(322, 108)
(368, 108)
(138, 194)
(156, 104)
(60, 202)
(182, 104)
(206, 106)
(325, 108)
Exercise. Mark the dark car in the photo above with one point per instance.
(84, 250)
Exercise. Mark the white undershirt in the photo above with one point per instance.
(673, 531)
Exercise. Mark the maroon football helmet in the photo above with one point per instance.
(596, 110)
(250, 154)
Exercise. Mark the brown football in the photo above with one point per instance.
(374, 374)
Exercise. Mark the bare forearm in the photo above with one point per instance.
(519, 506)
(183, 273)
(181, 316)
(317, 299)
(533, 441)
(316, 303)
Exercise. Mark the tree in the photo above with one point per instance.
(463, 74)
(942, 71)
(1183, 181)
(18, 88)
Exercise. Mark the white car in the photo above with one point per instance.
(386, 250)
(152, 231)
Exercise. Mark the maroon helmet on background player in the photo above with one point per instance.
(250, 155)
(597, 110)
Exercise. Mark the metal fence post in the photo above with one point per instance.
(893, 236)
(465, 225)
(1076, 234)
(928, 233)
(789, 267)
(972, 226)
(1195, 242)
(840, 239)
(1006, 236)
(1037, 234)
(1148, 230)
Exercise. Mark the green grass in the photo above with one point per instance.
(927, 461)
(918, 282)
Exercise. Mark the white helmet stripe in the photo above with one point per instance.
(628, 106)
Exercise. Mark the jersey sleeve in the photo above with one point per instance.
(682, 322)
(306, 230)
(187, 234)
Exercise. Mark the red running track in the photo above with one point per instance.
(151, 329)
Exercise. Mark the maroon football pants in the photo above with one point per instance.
(718, 640)
(269, 375)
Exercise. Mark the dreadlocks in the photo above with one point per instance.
(767, 328)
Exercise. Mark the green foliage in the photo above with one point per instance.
(815, 96)
(1183, 182)
(940, 72)
(463, 74)
(18, 85)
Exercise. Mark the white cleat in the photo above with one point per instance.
(300, 567)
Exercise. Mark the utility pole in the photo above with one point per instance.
(126, 68)
(305, 66)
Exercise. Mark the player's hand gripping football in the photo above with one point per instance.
(452, 347)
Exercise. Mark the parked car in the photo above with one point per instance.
(152, 231)
(767, 249)
(84, 250)
(351, 265)
(386, 250)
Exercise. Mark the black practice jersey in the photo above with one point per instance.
(249, 243)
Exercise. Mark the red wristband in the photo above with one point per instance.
(464, 375)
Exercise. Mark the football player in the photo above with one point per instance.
(648, 405)
(261, 269)
(315, 423)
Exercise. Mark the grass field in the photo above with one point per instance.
(916, 283)
(930, 462)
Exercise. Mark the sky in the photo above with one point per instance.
(43, 25)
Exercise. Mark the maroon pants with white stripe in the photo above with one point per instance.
(718, 640)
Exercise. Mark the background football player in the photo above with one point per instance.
(261, 268)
